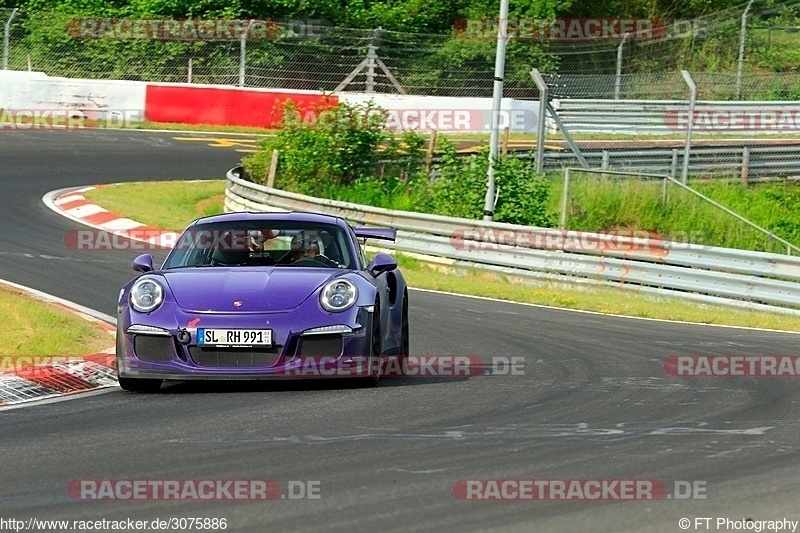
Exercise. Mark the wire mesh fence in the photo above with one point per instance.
(456, 64)
(614, 202)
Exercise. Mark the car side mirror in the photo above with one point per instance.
(143, 263)
(382, 263)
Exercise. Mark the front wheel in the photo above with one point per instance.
(374, 350)
(405, 350)
(140, 385)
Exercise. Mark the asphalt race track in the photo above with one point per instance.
(592, 400)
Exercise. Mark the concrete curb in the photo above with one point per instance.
(28, 379)
(72, 204)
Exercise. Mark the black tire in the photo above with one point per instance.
(140, 385)
(374, 350)
(405, 348)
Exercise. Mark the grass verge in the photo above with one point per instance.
(145, 201)
(139, 201)
(602, 300)
(604, 203)
(41, 330)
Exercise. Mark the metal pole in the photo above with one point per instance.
(243, 52)
(6, 37)
(564, 197)
(497, 101)
(372, 59)
(692, 101)
(542, 123)
(742, 36)
(618, 79)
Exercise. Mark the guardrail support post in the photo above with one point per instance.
(745, 164)
(429, 153)
(567, 137)
(673, 168)
(690, 124)
(542, 123)
(563, 222)
(273, 168)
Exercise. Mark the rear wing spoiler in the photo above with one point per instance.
(386, 234)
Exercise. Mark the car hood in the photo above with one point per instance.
(246, 290)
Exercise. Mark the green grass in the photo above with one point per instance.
(140, 200)
(634, 204)
(603, 300)
(40, 329)
(609, 204)
(167, 205)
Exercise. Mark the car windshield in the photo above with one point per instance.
(261, 243)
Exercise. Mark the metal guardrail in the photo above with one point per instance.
(721, 275)
(654, 117)
(748, 163)
(747, 160)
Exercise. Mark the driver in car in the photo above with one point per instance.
(307, 247)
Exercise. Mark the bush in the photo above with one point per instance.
(460, 189)
(337, 156)
(337, 147)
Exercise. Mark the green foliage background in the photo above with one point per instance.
(348, 154)
(420, 16)
(41, 33)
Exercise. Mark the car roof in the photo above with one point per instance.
(251, 216)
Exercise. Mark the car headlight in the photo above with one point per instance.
(338, 295)
(146, 295)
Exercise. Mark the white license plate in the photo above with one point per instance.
(234, 337)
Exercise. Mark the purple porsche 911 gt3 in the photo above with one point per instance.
(264, 296)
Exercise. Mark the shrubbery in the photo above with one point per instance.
(460, 189)
(337, 147)
(347, 153)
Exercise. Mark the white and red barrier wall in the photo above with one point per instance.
(133, 101)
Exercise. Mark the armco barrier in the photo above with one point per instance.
(719, 275)
(654, 117)
(746, 161)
